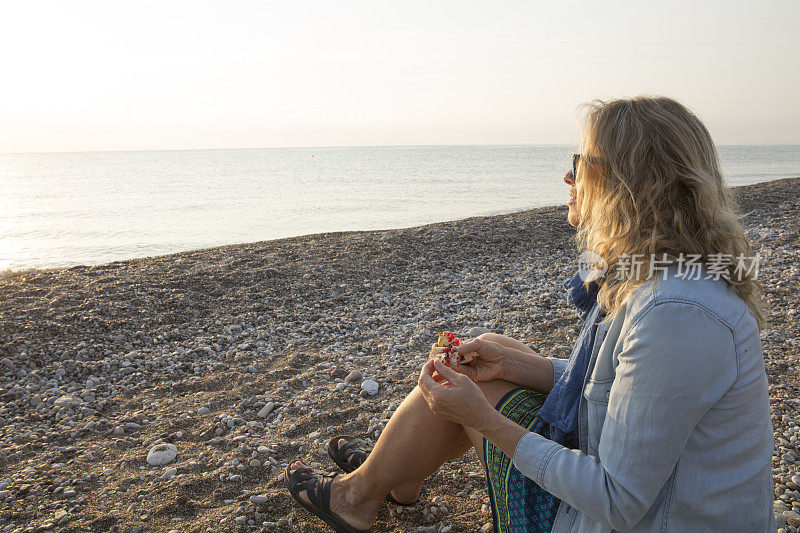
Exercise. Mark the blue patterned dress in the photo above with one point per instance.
(518, 503)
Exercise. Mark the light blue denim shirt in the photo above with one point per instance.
(674, 423)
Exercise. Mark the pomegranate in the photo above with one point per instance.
(444, 347)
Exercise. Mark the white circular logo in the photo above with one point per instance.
(591, 266)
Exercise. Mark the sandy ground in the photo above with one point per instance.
(238, 357)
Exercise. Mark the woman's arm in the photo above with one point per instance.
(496, 361)
(676, 363)
(531, 371)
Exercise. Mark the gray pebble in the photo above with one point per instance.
(354, 376)
(266, 410)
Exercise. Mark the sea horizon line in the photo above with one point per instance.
(346, 146)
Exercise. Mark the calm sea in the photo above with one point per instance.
(64, 209)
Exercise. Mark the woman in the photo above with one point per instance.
(660, 419)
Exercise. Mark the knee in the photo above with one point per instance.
(491, 337)
(506, 341)
(496, 338)
(414, 402)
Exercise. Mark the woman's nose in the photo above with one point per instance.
(569, 179)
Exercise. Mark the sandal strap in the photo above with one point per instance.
(317, 487)
(353, 452)
(325, 490)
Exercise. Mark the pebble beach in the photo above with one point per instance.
(169, 393)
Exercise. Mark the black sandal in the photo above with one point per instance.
(318, 489)
(351, 455)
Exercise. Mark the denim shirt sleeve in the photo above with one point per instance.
(676, 362)
(559, 365)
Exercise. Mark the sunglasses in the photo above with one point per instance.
(576, 160)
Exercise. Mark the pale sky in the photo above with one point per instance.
(131, 75)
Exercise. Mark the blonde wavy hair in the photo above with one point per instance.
(649, 185)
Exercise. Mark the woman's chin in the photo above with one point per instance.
(572, 216)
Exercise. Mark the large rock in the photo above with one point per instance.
(65, 402)
(162, 454)
(354, 376)
(266, 410)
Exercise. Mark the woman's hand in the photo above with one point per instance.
(489, 364)
(453, 396)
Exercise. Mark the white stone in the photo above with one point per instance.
(162, 454)
(266, 410)
(370, 387)
(203, 411)
(259, 499)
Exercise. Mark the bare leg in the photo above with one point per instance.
(414, 445)
(494, 392)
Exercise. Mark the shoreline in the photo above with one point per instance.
(11, 272)
(247, 356)
(15, 271)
